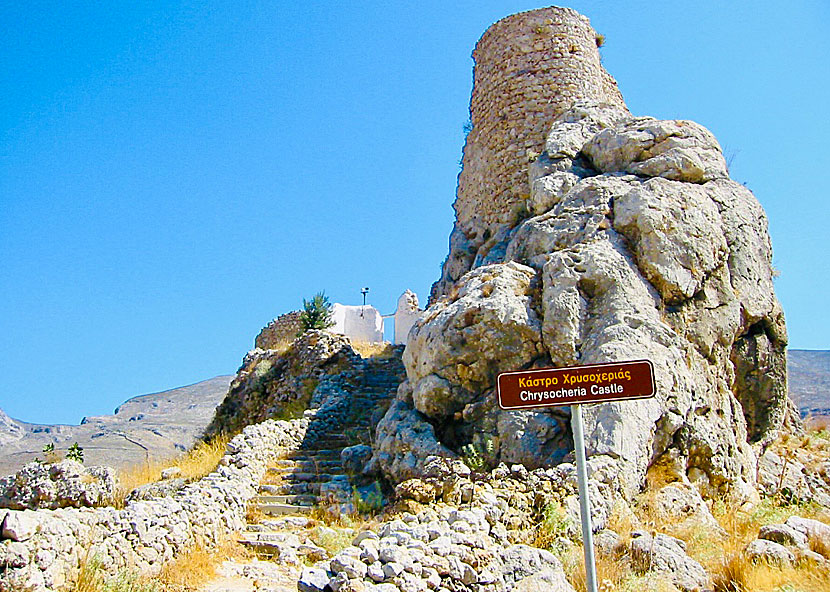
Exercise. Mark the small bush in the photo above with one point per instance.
(480, 454)
(316, 313)
(75, 453)
(553, 527)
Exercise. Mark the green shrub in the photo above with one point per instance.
(479, 455)
(75, 453)
(316, 313)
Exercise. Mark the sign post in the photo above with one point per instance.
(575, 386)
(584, 501)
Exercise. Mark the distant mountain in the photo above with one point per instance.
(151, 426)
(809, 379)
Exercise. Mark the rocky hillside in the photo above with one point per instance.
(157, 425)
(809, 381)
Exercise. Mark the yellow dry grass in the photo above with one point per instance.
(614, 574)
(186, 573)
(198, 462)
(732, 571)
(721, 555)
(381, 350)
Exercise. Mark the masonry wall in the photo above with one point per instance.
(279, 332)
(46, 548)
(529, 68)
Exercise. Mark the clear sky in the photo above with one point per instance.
(175, 174)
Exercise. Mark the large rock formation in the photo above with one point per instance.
(631, 242)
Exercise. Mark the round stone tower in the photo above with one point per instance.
(529, 68)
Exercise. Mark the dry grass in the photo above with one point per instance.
(198, 462)
(614, 574)
(721, 555)
(739, 574)
(381, 350)
(186, 573)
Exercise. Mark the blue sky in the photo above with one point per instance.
(175, 174)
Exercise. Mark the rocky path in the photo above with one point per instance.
(279, 531)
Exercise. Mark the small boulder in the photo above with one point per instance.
(19, 525)
(355, 458)
(769, 551)
(313, 579)
(783, 534)
(667, 555)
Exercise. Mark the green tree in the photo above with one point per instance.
(316, 313)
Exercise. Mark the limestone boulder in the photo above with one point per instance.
(769, 551)
(681, 505)
(667, 556)
(677, 150)
(677, 234)
(459, 346)
(404, 440)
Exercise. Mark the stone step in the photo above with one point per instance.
(309, 465)
(302, 477)
(294, 500)
(282, 509)
(290, 489)
(293, 475)
(328, 453)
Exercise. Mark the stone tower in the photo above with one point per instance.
(529, 68)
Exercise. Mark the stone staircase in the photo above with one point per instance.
(341, 413)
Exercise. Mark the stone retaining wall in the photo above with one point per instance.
(43, 550)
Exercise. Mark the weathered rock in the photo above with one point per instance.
(418, 490)
(676, 230)
(769, 551)
(19, 525)
(812, 529)
(171, 472)
(492, 310)
(355, 458)
(660, 257)
(404, 440)
(608, 542)
(521, 561)
(681, 506)
(547, 579)
(271, 381)
(783, 534)
(677, 150)
(313, 579)
(666, 555)
(164, 488)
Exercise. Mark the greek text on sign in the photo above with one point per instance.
(600, 383)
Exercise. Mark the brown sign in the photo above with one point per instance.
(600, 383)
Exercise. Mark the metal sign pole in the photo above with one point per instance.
(574, 385)
(584, 502)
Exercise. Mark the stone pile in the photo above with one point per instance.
(43, 550)
(444, 549)
(65, 484)
(468, 531)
